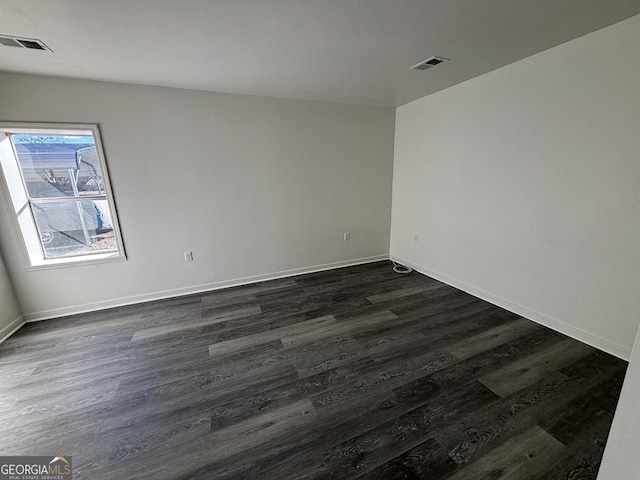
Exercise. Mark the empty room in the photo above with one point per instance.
(295, 239)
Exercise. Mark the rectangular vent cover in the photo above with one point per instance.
(428, 63)
(21, 42)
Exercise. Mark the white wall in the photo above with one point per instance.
(621, 460)
(10, 316)
(254, 186)
(524, 186)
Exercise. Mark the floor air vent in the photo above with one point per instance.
(21, 42)
(428, 63)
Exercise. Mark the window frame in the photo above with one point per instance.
(17, 199)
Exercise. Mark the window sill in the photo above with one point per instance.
(76, 261)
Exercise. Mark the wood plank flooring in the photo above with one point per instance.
(351, 373)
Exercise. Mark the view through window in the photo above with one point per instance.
(58, 185)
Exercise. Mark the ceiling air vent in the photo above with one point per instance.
(428, 63)
(21, 42)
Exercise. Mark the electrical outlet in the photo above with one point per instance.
(347, 236)
(188, 256)
(416, 238)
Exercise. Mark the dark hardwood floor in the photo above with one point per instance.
(351, 373)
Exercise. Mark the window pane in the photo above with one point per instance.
(73, 228)
(59, 165)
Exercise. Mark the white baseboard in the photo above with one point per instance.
(538, 317)
(10, 329)
(148, 297)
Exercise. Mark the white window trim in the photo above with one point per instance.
(31, 251)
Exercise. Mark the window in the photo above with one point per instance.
(59, 193)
